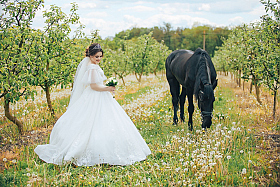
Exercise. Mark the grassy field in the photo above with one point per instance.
(240, 149)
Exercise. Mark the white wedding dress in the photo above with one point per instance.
(94, 130)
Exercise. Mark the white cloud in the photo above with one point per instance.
(97, 14)
(93, 22)
(260, 10)
(142, 2)
(236, 20)
(175, 20)
(132, 19)
(113, 16)
(138, 9)
(86, 5)
(204, 7)
(174, 8)
(237, 6)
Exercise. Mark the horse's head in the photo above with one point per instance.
(206, 99)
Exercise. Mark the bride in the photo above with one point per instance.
(94, 129)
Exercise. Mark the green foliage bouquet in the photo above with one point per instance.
(111, 82)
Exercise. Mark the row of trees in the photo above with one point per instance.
(34, 57)
(140, 57)
(252, 52)
(48, 57)
(182, 38)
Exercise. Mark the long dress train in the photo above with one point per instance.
(94, 130)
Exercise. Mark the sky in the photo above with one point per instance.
(112, 16)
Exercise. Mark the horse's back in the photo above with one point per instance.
(176, 64)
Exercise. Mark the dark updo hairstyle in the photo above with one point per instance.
(93, 49)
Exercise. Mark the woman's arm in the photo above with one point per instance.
(100, 88)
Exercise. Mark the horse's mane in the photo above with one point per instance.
(201, 74)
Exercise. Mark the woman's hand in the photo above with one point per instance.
(102, 88)
(111, 88)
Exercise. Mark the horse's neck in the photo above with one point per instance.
(203, 72)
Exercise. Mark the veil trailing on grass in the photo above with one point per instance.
(78, 86)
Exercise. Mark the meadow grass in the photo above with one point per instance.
(227, 154)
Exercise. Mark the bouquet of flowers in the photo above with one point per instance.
(112, 81)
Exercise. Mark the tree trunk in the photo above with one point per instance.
(251, 87)
(274, 103)
(243, 85)
(138, 77)
(11, 117)
(239, 78)
(48, 96)
(258, 92)
(123, 81)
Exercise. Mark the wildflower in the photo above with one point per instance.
(89, 183)
(241, 151)
(14, 161)
(28, 174)
(270, 175)
(177, 169)
(244, 171)
(250, 161)
(186, 163)
(4, 160)
(228, 157)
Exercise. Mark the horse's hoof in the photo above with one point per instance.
(182, 120)
(175, 122)
(190, 126)
(203, 126)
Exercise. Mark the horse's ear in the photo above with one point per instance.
(215, 83)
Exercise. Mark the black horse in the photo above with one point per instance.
(197, 75)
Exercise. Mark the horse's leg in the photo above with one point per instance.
(190, 109)
(182, 103)
(175, 91)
